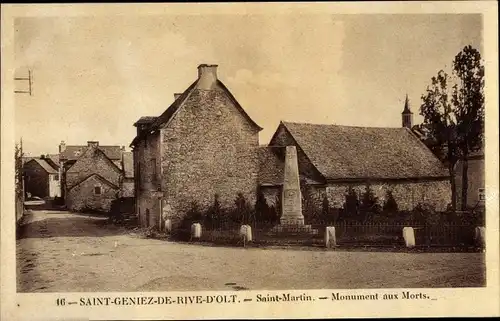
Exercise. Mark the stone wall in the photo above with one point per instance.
(407, 194)
(82, 197)
(209, 147)
(147, 178)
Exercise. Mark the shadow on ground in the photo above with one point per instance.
(64, 224)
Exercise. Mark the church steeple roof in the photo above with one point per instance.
(407, 110)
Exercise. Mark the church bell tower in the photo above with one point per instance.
(407, 115)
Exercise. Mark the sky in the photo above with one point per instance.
(93, 77)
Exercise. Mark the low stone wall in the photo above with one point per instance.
(407, 195)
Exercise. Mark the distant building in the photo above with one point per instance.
(127, 187)
(93, 175)
(206, 144)
(41, 177)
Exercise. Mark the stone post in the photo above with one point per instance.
(330, 237)
(291, 197)
(246, 232)
(195, 231)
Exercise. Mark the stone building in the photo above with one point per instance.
(203, 144)
(41, 177)
(334, 158)
(93, 175)
(206, 144)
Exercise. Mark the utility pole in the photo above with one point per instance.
(30, 82)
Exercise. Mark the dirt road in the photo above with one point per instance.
(68, 252)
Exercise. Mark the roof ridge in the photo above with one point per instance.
(337, 125)
(89, 176)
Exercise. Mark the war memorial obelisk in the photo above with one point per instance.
(291, 205)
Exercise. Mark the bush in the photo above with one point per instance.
(426, 214)
(243, 213)
(214, 214)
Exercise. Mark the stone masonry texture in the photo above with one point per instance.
(209, 148)
(82, 197)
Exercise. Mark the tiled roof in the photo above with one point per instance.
(128, 164)
(49, 169)
(348, 152)
(73, 152)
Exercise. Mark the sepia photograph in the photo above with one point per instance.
(293, 151)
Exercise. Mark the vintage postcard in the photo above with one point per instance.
(249, 160)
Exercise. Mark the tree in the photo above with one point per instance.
(468, 102)
(441, 123)
(453, 110)
(390, 204)
(18, 163)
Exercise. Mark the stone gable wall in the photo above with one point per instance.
(209, 147)
(82, 197)
(306, 169)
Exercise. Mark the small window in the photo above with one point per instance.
(56, 177)
(97, 190)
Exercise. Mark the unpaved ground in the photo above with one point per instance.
(67, 252)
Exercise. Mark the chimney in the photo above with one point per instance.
(93, 143)
(62, 146)
(177, 95)
(207, 76)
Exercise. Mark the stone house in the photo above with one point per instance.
(41, 177)
(203, 144)
(206, 144)
(93, 175)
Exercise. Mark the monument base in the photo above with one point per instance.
(292, 220)
(294, 229)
